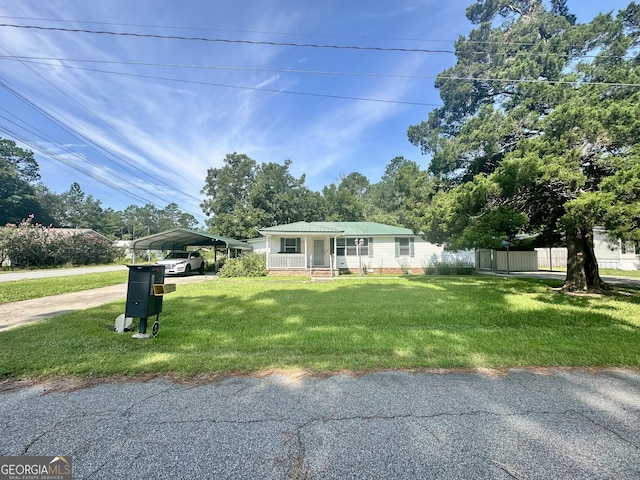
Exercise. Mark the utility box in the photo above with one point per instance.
(142, 302)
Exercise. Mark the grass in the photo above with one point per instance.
(242, 325)
(603, 272)
(42, 287)
(620, 273)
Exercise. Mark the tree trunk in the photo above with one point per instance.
(582, 266)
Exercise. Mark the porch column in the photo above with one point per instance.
(268, 245)
(306, 253)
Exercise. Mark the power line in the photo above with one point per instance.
(124, 180)
(310, 72)
(254, 32)
(73, 165)
(226, 40)
(241, 87)
(117, 157)
(364, 37)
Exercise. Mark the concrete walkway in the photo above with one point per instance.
(57, 272)
(26, 311)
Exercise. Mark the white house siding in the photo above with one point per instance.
(259, 244)
(382, 259)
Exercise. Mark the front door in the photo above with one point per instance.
(318, 253)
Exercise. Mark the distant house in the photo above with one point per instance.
(618, 255)
(347, 247)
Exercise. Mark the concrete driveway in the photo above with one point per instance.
(547, 424)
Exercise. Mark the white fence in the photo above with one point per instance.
(286, 260)
(502, 261)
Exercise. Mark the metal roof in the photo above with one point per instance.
(302, 227)
(181, 238)
(340, 228)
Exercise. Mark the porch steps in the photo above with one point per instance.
(321, 274)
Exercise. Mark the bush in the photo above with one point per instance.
(250, 265)
(458, 267)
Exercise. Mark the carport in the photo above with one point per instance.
(181, 238)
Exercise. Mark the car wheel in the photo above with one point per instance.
(187, 270)
(201, 270)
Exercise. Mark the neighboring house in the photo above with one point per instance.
(618, 255)
(307, 247)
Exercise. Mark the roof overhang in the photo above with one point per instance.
(181, 238)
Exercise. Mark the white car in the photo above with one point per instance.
(181, 262)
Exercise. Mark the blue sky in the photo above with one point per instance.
(137, 119)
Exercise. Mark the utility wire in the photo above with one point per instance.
(225, 40)
(126, 181)
(309, 72)
(117, 157)
(76, 166)
(50, 154)
(261, 89)
(322, 46)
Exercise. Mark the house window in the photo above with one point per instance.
(290, 245)
(347, 246)
(404, 247)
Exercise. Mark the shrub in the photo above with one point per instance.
(250, 265)
(457, 267)
(34, 245)
(405, 266)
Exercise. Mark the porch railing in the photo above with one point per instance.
(286, 260)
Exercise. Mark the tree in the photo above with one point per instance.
(243, 196)
(347, 202)
(80, 210)
(387, 197)
(227, 188)
(18, 196)
(538, 118)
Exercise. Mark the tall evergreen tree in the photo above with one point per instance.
(539, 115)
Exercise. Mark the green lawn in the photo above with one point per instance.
(240, 325)
(42, 287)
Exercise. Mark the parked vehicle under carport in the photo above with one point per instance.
(179, 262)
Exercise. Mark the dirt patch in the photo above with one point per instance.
(67, 384)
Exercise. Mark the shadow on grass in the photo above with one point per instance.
(357, 324)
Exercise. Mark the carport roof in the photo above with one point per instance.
(181, 238)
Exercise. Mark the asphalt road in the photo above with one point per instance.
(556, 424)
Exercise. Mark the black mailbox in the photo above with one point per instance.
(142, 303)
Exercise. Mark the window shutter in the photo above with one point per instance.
(411, 248)
(282, 245)
(397, 247)
(298, 245)
(370, 247)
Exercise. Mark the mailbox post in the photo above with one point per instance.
(142, 302)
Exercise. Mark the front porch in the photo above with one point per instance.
(301, 264)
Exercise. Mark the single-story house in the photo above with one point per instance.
(618, 254)
(348, 247)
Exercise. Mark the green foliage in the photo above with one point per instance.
(542, 139)
(242, 196)
(457, 267)
(250, 265)
(34, 245)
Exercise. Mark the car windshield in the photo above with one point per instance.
(177, 255)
